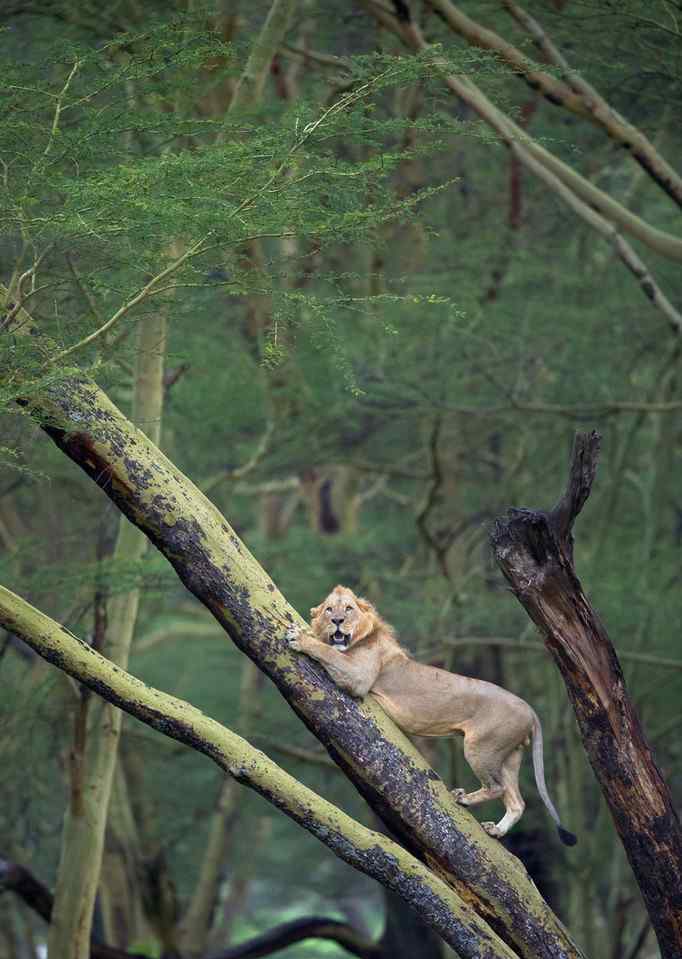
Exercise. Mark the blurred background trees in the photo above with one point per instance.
(383, 326)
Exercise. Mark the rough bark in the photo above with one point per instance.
(98, 725)
(535, 552)
(364, 849)
(218, 568)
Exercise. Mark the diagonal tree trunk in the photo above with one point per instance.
(664, 243)
(218, 568)
(366, 850)
(535, 552)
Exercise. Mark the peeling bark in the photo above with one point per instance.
(535, 552)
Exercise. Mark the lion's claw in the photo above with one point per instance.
(491, 829)
(292, 636)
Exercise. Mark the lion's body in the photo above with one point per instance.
(364, 657)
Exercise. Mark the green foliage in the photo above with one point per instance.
(392, 304)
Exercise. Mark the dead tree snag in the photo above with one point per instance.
(534, 550)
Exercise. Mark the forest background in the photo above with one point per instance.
(361, 270)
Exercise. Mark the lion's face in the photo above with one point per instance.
(342, 618)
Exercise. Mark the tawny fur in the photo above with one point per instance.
(361, 654)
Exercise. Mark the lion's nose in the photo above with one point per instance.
(337, 622)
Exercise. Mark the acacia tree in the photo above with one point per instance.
(213, 563)
(27, 283)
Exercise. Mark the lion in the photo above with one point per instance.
(361, 654)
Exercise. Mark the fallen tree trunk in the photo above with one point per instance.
(535, 552)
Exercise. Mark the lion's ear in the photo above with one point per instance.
(315, 619)
(368, 622)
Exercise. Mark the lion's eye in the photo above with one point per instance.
(349, 609)
(328, 609)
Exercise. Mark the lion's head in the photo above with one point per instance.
(343, 618)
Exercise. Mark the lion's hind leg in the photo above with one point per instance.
(512, 798)
(478, 796)
(487, 767)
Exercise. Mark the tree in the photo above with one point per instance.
(362, 400)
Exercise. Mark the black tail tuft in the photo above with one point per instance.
(567, 838)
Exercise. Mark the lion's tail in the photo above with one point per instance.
(539, 768)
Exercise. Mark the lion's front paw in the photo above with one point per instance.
(458, 794)
(293, 637)
(491, 829)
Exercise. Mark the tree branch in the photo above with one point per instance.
(218, 568)
(595, 108)
(666, 244)
(19, 880)
(307, 927)
(366, 850)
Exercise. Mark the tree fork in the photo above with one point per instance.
(534, 550)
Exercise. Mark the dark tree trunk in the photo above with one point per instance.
(535, 552)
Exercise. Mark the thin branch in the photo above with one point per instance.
(239, 472)
(598, 110)
(85, 292)
(297, 752)
(661, 662)
(58, 107)
(314, 56)
(430, 500)
(298, 930)
(624, 250)
(195, 250)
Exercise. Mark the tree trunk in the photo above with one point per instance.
(535, 552)
(220, 571)
(218, 568)
(366, 850)
(98, 724)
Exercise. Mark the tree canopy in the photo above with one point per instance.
(360, 272)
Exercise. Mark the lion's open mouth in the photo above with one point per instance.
(340, 640)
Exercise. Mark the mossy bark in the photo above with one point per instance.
(438, 904)
(218, 568)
